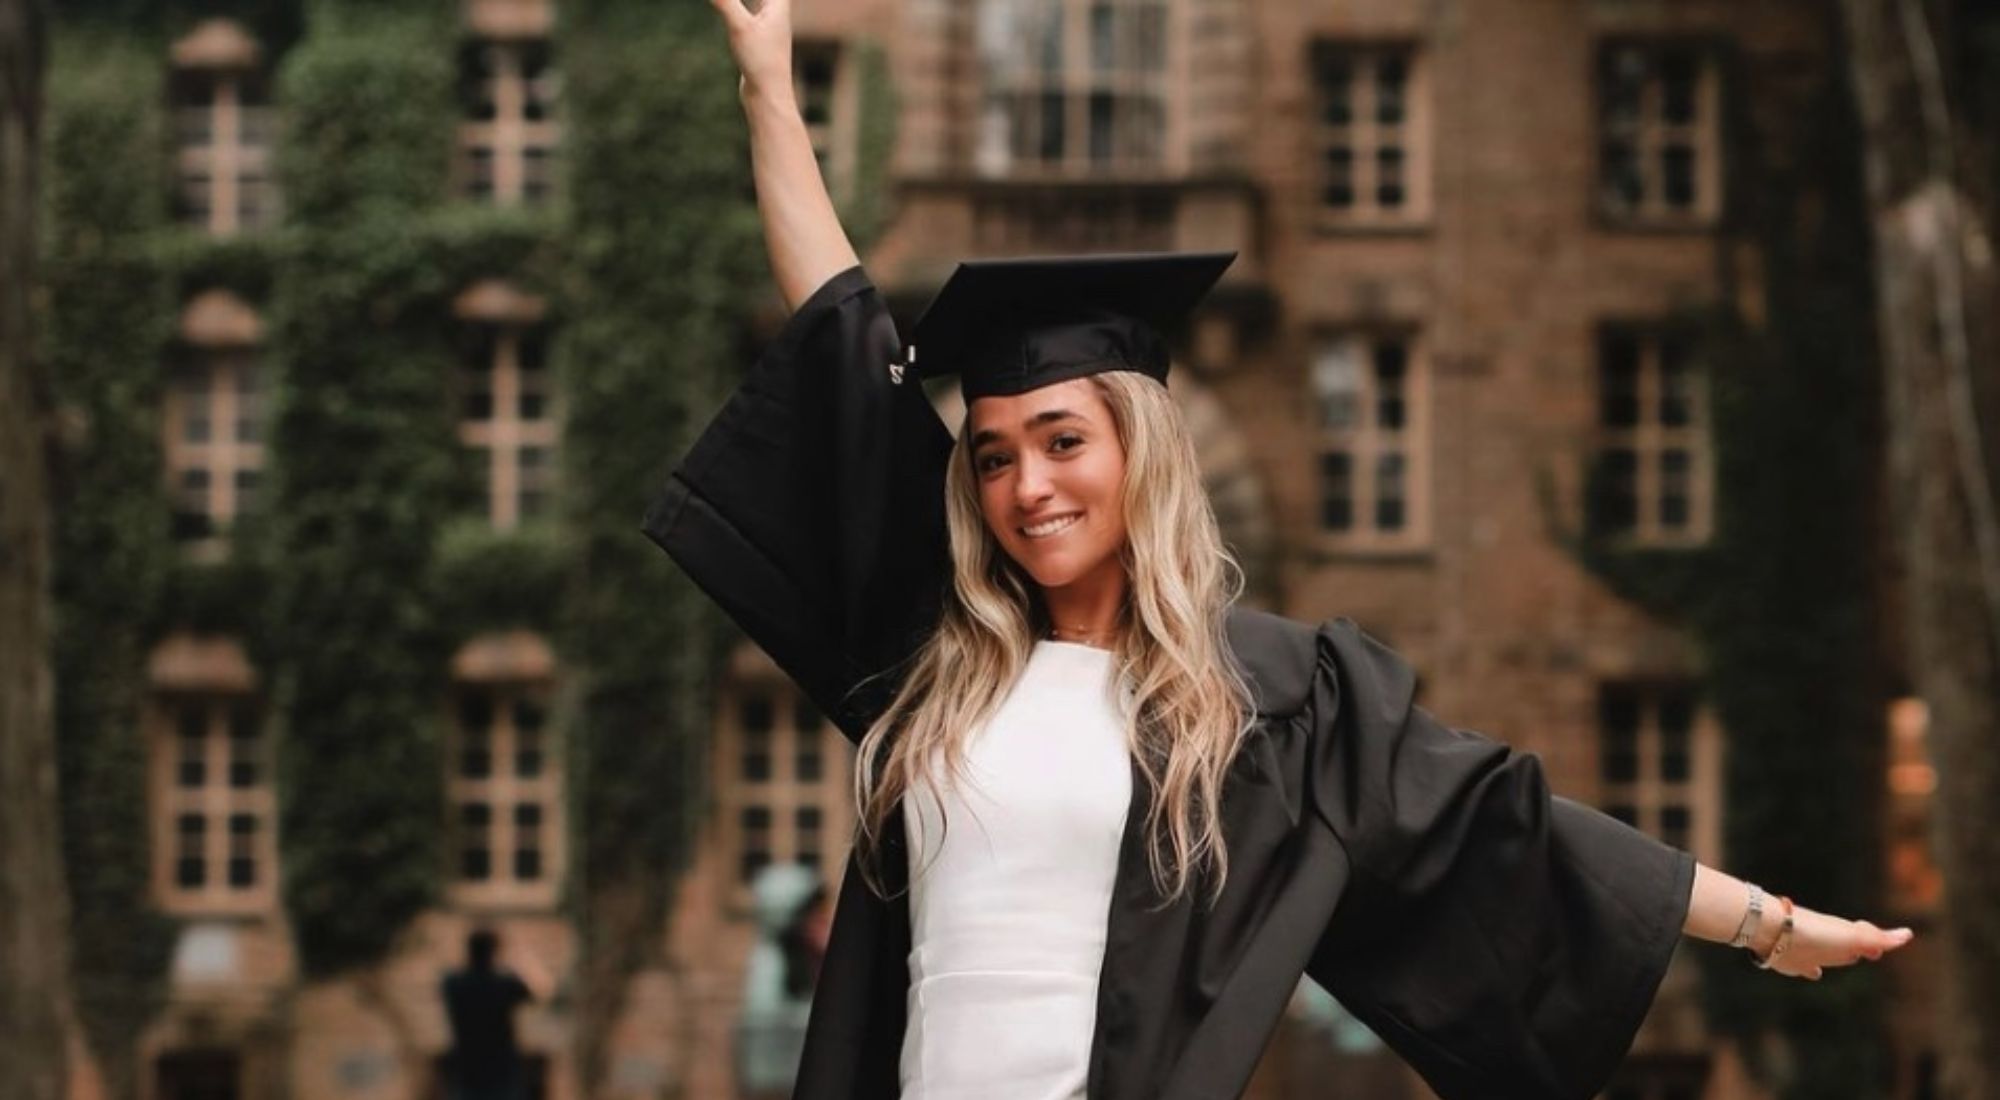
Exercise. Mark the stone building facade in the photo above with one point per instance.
(1463, 229)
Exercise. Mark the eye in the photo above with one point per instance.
(989, 462)
(1066, 441)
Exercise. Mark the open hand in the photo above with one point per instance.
(760, 38)
(1820, 940)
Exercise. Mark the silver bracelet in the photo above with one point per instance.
(1751, 918)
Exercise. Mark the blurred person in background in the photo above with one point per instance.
(484, 1062)
(1108, 817)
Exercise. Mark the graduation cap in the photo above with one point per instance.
(1013, 325)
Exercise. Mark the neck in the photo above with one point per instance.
(1086, 609)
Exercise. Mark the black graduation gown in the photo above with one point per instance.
(1504, 941)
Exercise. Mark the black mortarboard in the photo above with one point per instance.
(1013, 325)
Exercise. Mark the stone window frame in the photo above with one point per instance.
(506, 671)
(1642, 794)
(1366, 442)
(1015, 92)
(757, 719)
(498, 322)
(1649, 134)
(216, 381)
(205, 685)
(1366, 137)
(522, 78)
(1650, 440)
(828, 90)
(224, 148)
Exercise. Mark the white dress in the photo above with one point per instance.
(1008, 905)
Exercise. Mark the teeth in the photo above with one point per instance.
(1043, 530)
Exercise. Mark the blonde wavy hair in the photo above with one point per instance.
(1188, 706)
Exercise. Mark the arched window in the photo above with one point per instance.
(503, 779)
(223, 130)
(214, 803)
(508, 87)
(214, 418)
(506, 399)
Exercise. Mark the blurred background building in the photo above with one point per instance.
(1503, 263)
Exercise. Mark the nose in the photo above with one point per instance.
(1031, 484)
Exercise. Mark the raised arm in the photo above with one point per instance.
(801, 229)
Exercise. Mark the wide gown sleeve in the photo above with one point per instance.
(1506, 942)
(812, 508)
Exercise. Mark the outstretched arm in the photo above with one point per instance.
(1720, 902)
(801, 229)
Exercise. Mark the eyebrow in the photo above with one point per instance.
(984, 436)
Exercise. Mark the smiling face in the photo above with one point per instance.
(1051, 474)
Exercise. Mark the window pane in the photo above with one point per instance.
(1618, 733)
(808, 764)
(190, 865)
(527, 753)
(1677, 379)
(243, 746)
(1674, 822)
(1618, 379)
(1336, 380)
(1623, 187)
(1391, 370)
(1339, 189)
(478, 65)
(1103, 37)
(1677, 87)
(1051, 147)
(1101, 135)
(1389, 491)
(756, 826)
(1336, 497)
(1677, 175)
(1614, 491)
(1675, 487)
(1389, 176)
(1336, 89)
(475, 820)
(1391, 80)
(1677, 706)
(191, 728)
(1150, 39)
(757, 755)
(242, 850)
(249, 403)
(195, 396)
(475, 755)
(527, 841)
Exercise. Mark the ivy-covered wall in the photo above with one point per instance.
(1786, 601)
(370, 560)
(667, 258)
(107, 309)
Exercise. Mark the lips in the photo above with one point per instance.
(1051, 527)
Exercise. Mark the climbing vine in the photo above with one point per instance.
(107, 310)
(666, 261)
(1784, 602)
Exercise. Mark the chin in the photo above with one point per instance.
(1056, 570)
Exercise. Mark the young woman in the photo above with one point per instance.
(1108, 818)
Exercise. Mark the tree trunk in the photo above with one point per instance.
(1936, 294)
(34, 960)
